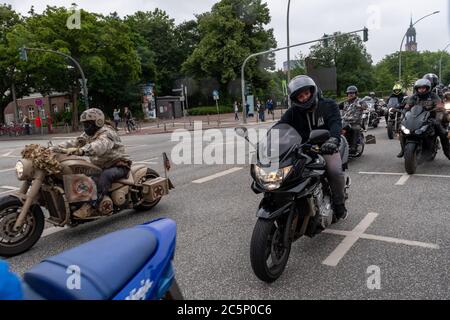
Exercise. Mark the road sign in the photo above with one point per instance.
(38, 102)
(216, 95)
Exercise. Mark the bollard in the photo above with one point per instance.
(165, 127)
(208, 119)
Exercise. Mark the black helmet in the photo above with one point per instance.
(434, 80)
(352, 89)
(298, 84)
(422, 83)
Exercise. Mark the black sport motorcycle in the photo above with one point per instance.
(297, 196)
(394, 119)
(421, 144)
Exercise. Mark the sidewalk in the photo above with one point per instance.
(167, 126)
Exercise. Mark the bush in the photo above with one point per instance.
(211, 110)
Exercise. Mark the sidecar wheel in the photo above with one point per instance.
(151, 174)
(16, 242)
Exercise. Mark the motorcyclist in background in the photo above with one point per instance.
(102, 144)
(310, 111)
(429, 100)
(435, 84)
(397, 93)
(354, 109)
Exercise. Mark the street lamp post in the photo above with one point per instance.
(288, 51)
(75, 62)
(278, 49)
(401, 45)
(440, 62)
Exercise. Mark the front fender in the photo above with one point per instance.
(267, 211)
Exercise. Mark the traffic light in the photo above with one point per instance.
(23, 54)
(365, 34)
(325, 41)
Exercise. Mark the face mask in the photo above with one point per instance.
(90, 128)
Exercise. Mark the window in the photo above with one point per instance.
(67, 107)
(20, 115)
(43, 114)
(55, 108)
(31, 112)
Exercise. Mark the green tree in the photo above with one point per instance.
(9, 58)
(414, 66)
(102, 46)
(349, 55)
(233, 30)
(161, 46)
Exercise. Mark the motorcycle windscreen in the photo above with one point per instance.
(277, 144)
(416, 118)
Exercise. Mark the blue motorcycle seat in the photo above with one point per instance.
(104, 266)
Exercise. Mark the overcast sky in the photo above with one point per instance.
(386, 19)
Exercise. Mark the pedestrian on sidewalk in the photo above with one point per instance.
(261, 111)
(269, 105)
(236, 110)
(128, 118)
(27, 124)
(116, 118)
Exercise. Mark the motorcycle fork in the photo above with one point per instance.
(288, 232)
(30, 197)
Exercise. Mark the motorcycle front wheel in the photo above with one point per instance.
(410, 158)
(14, 242)
(268, 255)
(390, 131)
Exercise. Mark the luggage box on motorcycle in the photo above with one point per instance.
(155, 188)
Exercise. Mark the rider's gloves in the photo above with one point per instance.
(330, 146)
(74, 151)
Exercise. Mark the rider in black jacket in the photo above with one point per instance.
(311, 111)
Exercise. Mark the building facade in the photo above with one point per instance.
(36, 104)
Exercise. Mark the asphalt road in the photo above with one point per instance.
(215, 220)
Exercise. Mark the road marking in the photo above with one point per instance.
(348, 242)
(217, 175)
(358, 233)
(402, 180)
(9, 187)
(383, 173)
(7, 154)
(6, 170)
(52, 230)
(148, 161)
(404, 176)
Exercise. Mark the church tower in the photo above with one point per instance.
(411, 44)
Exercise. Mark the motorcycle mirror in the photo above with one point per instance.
(319, 136)
(241, 131)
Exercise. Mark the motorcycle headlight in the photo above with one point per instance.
(19, 169)
(24, 169)
(271, 180)
(405, 130)
(447, 106)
